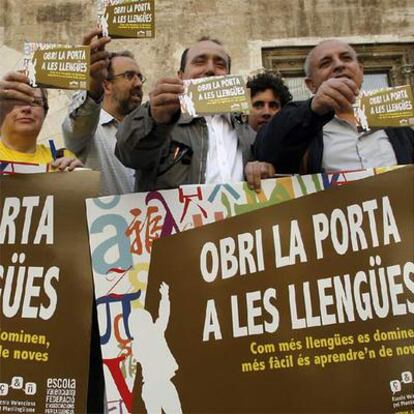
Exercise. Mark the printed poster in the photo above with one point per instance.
(46, 292)
(386, 107)
(51, 65)
(302, 307)
(8, 168)
(215, 95)
(122, 230)
(127, 18)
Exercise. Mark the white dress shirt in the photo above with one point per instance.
(224, 157)
(346, 149)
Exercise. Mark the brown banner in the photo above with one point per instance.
(302, 307)
(45, 292)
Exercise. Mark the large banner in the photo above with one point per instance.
(122, 230)
(302, 307)
(45, 292)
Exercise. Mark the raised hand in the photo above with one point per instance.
(99, 61)
(15, 87)
(164, 100)
(335, 94)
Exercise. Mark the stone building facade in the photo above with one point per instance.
(275, 34)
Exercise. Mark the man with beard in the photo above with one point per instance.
(169, 149)
(90, 127)
(321, 134)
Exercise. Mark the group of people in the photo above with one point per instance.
(147, 146)
(142, 147)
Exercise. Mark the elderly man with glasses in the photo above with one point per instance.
(90, 127)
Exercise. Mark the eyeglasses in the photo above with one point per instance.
(37, 103)
(129, 75)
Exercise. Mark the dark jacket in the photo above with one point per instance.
(297, 130)
(167, 156)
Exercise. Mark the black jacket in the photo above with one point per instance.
(297, 130)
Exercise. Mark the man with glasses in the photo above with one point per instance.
(90, 127)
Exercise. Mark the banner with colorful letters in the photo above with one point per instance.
(122, 230)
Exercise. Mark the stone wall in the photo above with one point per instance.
(244, 26)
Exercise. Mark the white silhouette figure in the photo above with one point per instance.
(363, 120)
(150, 349)
(104, 25)
(187, 103)
(31, 72)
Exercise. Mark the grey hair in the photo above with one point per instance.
(306, 65)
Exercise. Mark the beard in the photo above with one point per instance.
(127, 104)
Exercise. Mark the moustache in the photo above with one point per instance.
(137, 92)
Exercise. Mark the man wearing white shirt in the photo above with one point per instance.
(321, 134)
(90, 127)
(224, 160)
(169, 149)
